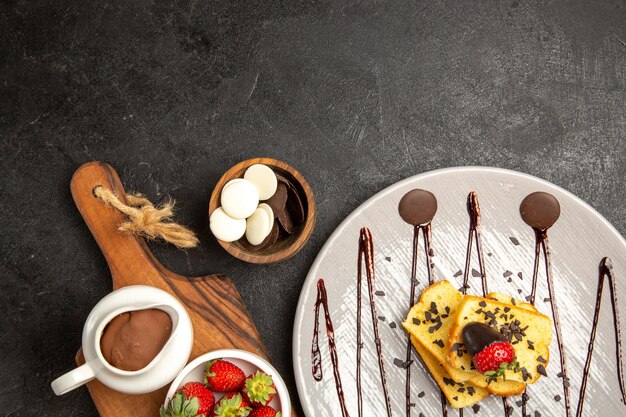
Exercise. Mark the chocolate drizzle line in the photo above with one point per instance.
(542, 244)
(366, 252)
(427, 235)
(316, 356)
(606, 271)
(473, 209)
(416, 235)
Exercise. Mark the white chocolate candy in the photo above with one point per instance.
(239, 198)
(270, 214)
(264, 178)
(257, 227)
(225, 227)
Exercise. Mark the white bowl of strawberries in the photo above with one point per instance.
(227, 383)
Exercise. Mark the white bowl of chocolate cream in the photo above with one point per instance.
(135, 340)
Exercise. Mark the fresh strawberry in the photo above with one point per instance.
(231, 406)
(494, 359)
(259, 388)
(193, 400)
(245, 402)
(265, 411)
(223, 376)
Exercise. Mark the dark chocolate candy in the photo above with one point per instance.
(295, 207)
(278, 200)
(477, 336)
(540, 210)
(285, 220)
(418, 207)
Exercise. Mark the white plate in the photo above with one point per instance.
(579, 240)
(248, 362)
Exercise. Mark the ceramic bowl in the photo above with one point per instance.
(248, 362)
(285, 247)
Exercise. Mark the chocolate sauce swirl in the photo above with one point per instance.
(366, 253)
(606, 273)
(316, 356)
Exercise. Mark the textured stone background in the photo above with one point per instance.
(355, 94)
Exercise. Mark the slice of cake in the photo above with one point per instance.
(429, 323)
(459, 394)
(529, 332)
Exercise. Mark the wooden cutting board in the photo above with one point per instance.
(220, 318)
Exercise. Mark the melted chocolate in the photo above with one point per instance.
(366, 252)
(477, 336)
(418, 207)
(540, 210)
(606, 272)
(316, 356)
(133, 339)
(473, 209)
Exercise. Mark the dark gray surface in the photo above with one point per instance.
(357, 95)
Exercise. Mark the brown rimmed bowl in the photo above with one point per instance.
(286, 246)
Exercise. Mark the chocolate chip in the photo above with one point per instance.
(557, 398)
(542, 370)
(514, 240)
(381, 318)
(456, 347)
(541, 359)
(439, 343)
(387, 258)
(421, 394)
(416, 321)
(507, 273)
(476, 273)
(457, 274)
(476, 408)
(482, 304)
(449, 381)
(380, 293)
(392, 324)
